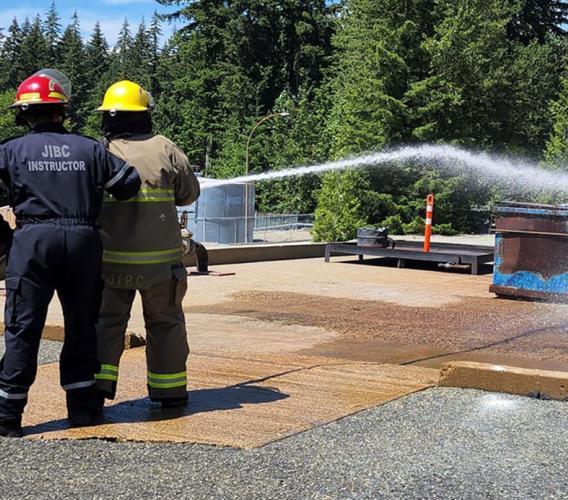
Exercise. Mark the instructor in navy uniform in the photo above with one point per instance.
(55, 181)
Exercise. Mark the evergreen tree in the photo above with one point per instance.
(52, 30)
(206, 88)
(230, 63)
(557, 147)
(536, 19)
(138, 60)
(465, 97)
(8, 127)
(121, 51)
(26, 27)
(535, 76)
(340, 207)
(11, 71)
(295, 140)
(154, 54)
(96, 54)
(97, 69)
(73, 64)
(34, 51)
(372, 74)
(377, 57)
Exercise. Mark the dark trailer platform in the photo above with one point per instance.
(412, 250)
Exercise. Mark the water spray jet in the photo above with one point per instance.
(516, 172)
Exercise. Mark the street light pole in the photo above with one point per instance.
(274, 115)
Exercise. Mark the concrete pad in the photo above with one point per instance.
(343, 278)
(511, 380)
(238, 402)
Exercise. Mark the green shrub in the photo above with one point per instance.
(416, 226)
(445, 229)
(339, 211)
(394, 223)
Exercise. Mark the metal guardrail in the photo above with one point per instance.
(273, 228)
(283, 227)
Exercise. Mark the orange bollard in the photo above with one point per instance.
(428, 227)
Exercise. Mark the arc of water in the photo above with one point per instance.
(492, 167)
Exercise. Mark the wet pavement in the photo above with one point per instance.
(234, 401)
(440, 443)
(485, 329)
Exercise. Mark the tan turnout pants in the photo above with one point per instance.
(166, 339)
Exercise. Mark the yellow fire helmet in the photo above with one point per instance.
(126, 96)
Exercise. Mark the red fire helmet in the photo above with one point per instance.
(39, 89)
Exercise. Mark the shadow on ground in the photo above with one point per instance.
(200, 401)
(416, 264)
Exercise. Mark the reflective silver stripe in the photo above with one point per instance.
(121, 173)
(79, 385)
(5, 395)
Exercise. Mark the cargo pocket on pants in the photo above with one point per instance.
(179, 285)
(12, 300)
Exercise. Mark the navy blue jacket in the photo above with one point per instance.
(53, 174)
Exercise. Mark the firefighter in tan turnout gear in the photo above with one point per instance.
(143, 248)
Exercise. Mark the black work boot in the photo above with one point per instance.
(102, 396)
(11, 427)
(84, 407)
(173, 403)
(83, 418)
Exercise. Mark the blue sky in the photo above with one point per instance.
(110, 13)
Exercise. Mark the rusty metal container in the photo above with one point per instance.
(531, 251)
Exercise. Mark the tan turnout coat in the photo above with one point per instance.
(141, 236)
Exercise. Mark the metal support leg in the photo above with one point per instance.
(401, 263)
(474, 266)
(361, 257)
(327, 253)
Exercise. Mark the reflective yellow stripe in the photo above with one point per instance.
(57, 95)
(145, 195)
(168, 376)
(30, 96)
(157, 257)
(108, 372)
(167, 381)
(155, 385)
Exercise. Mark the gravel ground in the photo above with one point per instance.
(48, 350)
(441, 443)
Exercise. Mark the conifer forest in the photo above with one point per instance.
(355, 76)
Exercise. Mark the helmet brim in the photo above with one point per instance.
(20, 104)
(119, 109)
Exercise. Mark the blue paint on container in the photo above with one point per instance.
(525, 224)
